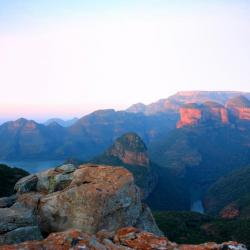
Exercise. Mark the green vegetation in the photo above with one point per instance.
(195, 228)
(170, 193)
(232, 188)
(8, 178)
(203, 154)
(166, 190)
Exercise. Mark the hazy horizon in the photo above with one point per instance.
(47, 117)
(67, 60)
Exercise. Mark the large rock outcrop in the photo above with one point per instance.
(235, 109)
(128, 238)
(89, 198)
(215, 112)
(209, 112)
(190, 115)
(174, 102)
(239, 107)
(130, 151)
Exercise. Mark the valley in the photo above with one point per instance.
(183, 156)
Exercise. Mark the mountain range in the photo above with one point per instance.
(89, 136)
(93, 133)
(198, 142)
(191, 147)
(61, 122)
(175, 102)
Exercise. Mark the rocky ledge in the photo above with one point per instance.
(88, 198)
(123, 239)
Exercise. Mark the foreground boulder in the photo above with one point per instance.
(98, 198)
(88, 198)
(123, 239)
(130, 152)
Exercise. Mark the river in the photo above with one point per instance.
(197, 206)
(196, 203)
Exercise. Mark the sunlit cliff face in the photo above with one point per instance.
(191, 115)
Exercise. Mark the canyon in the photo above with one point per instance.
(236, 109)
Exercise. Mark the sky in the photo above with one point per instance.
(69, 58)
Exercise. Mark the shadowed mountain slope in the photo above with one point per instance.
(230, 195)
(89, 136)
(8, 178)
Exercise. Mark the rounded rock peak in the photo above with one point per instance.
(132, 142)
(130, 149)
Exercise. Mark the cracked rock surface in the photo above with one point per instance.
(88, 198)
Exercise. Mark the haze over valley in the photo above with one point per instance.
(124, 125)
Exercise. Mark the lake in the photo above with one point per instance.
(33, 166)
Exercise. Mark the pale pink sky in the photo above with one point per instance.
(71, 63)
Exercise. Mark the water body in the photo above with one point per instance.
(33, 166)
(197, 206)
(196, 203)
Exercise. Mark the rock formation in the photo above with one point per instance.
(235, 109)
(130, 152)
(89, 198)
(231, 211)
(190, 115)
(128, 238)
(239, 107)
(209, 112)
(130, 149)
(215, 112)
(175, 102)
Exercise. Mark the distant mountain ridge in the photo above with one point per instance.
(93, 133)
(174, 102)
(89, 136)
(61, 122)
